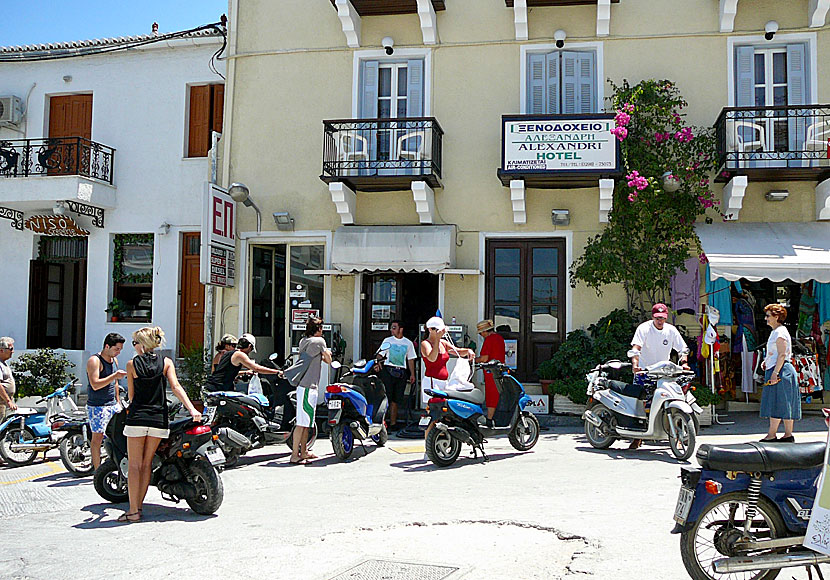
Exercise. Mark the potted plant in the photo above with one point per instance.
(115, 308)
(705, 398)
(546, 373)
(193, 371)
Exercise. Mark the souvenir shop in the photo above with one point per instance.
(746, 267)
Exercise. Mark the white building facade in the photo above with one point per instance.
(103, 164)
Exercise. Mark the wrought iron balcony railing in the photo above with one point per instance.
(56, 156)
(382, 154)
(781, 142)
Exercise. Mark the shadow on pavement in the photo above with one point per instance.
(255, 459)
(105, 515)
(416, 465)
(644, 453)
(64, 479)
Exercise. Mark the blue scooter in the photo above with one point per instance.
(457, 413)
(357, 406)
(28, 430)
(744, 512)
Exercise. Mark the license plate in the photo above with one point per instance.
(215, 456)
(424, 421)
(684, 504)
(335, 404)
(208, 413)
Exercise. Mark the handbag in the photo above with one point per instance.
(295, 373)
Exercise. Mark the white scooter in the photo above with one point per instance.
(659, 407)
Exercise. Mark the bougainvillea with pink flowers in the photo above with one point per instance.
(650, 232)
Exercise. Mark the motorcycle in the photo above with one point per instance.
(76, 453)
(744, 512)
(357, 405)
(249, 421)
(457, 414)
(183, 467)
(28, 431)
(657, 406)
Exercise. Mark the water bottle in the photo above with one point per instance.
(453, 319)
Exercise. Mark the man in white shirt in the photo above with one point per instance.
(398, 369)
(7, 386)
(655, 339)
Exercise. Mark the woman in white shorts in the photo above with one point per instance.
(147, 418)
(314, 345)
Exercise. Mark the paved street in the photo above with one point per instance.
(563, 510)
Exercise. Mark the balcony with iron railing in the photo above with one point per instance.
(789, 142)
(382, 154)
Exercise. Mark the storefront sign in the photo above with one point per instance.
(54, 225)
(300, 316)
(554, 143)
(538, 404)
(218, 255)
(511, 346)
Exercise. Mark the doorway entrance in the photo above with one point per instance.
(192, 301)
(412, 298)
(57, 294)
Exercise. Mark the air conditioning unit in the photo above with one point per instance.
(11, 110)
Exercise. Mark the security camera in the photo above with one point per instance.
(559, 36)
(770, 28)
(388, 42)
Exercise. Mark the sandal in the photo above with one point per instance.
(297, 462)
(126, 517)
(310, 456)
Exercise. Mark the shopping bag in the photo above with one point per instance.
(255, 385)
(460, 376)
(295, 373)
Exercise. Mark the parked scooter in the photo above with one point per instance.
(744, 512)
(184, 466)
(28, 430)
(655, 408)
(357, 405)
(249, 421)
(457, 413)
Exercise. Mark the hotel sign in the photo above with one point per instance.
(217, 266)
(559, 143)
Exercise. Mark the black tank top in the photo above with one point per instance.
(222, 378)
(106, 395)
(149, 405)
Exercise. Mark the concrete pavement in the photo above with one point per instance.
(563, 510)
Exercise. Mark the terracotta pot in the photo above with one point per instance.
(546, 383)
(113, 318)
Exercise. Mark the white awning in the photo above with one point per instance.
(776, 251)
(393, 248)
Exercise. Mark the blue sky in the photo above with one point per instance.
(42, 21)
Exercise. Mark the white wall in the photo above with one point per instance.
(139, 108)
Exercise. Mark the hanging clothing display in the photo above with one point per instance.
(745, 319)
(685, 288)
(821, 293)
(806, 313)
(747, 360)
(719, 296)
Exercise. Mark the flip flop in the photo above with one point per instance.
(125, 518)
(310, 456)
(298, 462)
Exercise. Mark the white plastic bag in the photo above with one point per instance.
(460, 376)
(255, 385)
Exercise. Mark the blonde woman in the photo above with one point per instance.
(147, 418)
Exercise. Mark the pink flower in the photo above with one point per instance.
(702, 258)
(622, 118)
(632, 196)
(685, 134)
(620, 132)
(636, 181)
(628, 108)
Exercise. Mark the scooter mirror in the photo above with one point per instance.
(615, 364)
(273, 356)
(335, 364)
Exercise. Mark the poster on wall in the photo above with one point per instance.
(538, 404)
(381, 312)
(301, 316)
(511, 347)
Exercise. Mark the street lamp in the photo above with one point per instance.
(240, 193)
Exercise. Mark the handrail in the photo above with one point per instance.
(56, 156)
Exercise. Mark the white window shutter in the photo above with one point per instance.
(587, 82)
(745, 76)
(570, 82)
(552, 65)
(797, 95)
(415, 88)
(368, 89)
(536, 89)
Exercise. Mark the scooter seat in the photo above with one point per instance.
(762, 457)
(475, 396)
(30, 410)
(626, 389)
(255, 399)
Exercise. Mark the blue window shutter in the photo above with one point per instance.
(552, 65)
(570, 82)
(368, 89)
(797, 95)
(415, 88)
(586, 82)
(744, 76)
(536, 81)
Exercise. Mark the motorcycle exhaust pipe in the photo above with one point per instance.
(359, 429)
(592, 419)
(460, 434)
(234, 439)
(15, 447)
(768, 562)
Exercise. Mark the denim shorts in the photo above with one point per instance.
(100, 416)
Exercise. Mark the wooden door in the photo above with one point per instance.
(70, 118)
(526, 297)
(192, 313)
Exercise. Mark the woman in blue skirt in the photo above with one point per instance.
(781, 399)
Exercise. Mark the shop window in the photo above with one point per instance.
(132, 277)
(206, 102)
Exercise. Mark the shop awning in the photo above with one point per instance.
(777, 251)
(393, 248)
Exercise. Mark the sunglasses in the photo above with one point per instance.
(10, 348)
(135, 342)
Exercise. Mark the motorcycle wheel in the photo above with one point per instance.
(209, 484)
(342, 441)
(598, 437)
(683, 445)
(17, 435)
(526, 439)
(109, 483)
(718, 526)
(312, 437)
(382, 437)
(76, 455)
(442, 448)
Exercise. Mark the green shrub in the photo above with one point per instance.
(194, 369)
(705, 396)
(40, 373)
(574, 389)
